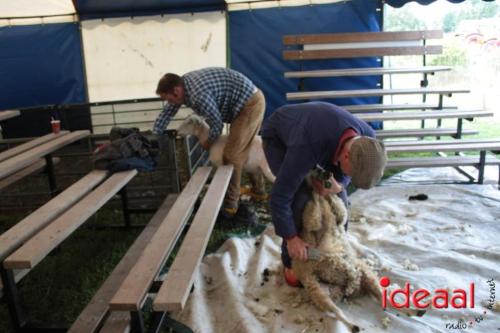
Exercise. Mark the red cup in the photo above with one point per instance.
(56, 126)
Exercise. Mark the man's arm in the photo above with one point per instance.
(298, 161)
(164, 118)
(206, 106)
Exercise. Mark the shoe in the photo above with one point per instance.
(227, 213)
(259, 197)
(290, 278)
(246, 215)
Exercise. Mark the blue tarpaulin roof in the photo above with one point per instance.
(116, 8)
(400, 3)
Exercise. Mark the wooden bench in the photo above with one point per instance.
(392, 107)
(365, 71)
(37, 166)
(29, 157)
(126, 304)
(319, 47)
(371, 92)
(6, 154)
(7, 114)
(461, 114)
(445, 146)
(361, 44)
(24, 245)
(420, 133)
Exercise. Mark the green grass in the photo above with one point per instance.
(58, 288)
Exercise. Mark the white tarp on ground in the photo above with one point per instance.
(447, 241)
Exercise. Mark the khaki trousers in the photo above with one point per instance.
(241, 133)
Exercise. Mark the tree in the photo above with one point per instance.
(403, 20)
(470, 10)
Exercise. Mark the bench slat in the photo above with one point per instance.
(35, 167)
(351, 37)
(444, 148)
(177, 285)
(370, 92)
(386, 134)
(393, 107)
(37, 220)
(90, 318)
(423, 115)
(24, 159)
(413, 143)
(4, 115)
(429, 162)
(365, 71)
(132, 291)
(361, 52)
(29, 144)
(33, 251)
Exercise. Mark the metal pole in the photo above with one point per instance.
(13, 299)
(136, 322)
(482, 164)
(126, 213)
(49, 165)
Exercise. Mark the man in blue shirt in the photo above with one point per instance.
(221, 96)
(299, 137)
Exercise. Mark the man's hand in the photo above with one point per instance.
(297, 248)
(205, 144)
(203, 139)
(319, 187)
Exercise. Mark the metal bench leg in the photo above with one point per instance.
(49, 167)
(136, 322)
(12, 298)
(126, 212)
(482, 164)
(162, 320)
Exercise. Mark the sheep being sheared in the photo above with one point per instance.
(324, 219)
(256, 164)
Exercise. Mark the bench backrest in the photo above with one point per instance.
(361, 44)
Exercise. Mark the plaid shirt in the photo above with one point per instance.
(217, 94)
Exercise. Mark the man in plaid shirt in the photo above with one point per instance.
(221, 96)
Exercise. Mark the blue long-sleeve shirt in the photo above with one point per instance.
(217, 94)
(309, 134)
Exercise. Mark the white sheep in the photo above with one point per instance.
(256, 164)
(323, 227)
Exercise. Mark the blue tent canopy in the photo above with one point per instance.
(400, 3)
(89, 9)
